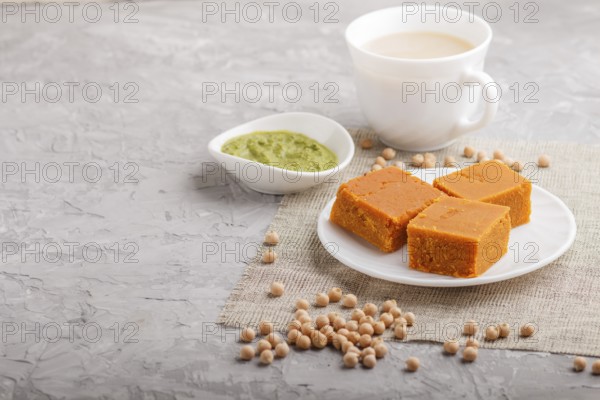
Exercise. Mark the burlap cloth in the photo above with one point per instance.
(562, 300)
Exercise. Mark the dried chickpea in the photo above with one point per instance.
(509, 162)
(349, 301)
(282, 350)
(247, 335)
(350, 360)
(365, 328)
(294, 324)
(366, 144)
(247, 352)
(469, 152)
(318, 339)
(472, 342)
(388, 305)
(322, 300)
(367, 351)
(347, 345)
(352, 326)
(321, 321)
(303, 342)
(527, 330)
(328, 331)
(293, 336)
(449, 161)
(376, 167)
(277, 289)
(263, 345)
(365, 340)
(367, 319)
(387, 319)
(410, 318)
(470, 328)
(388, 153)
(379, 328)
(369, 361)
(412, 364)
(339, 340)
(498, 155)
(481, 156)
(518, 166)
(265, 327)
(430, 160)
(355, 350)
(579, 364)
(274, 339)
(451, 346)
(304, 318)
(354, 337)
(381, 350)
(491, 333)
(339, 323)
(380, 161)
(418, 160)
(470, 354)
(332, 315)
(544, 161)
(271, 238)
(302, 304)
(266, 357)
(400, 321)
(596, 367)
(335, 294)
(357, 314)
(376, 340)
(344, 332)
(370, 309)
(400, 331)
(396, 312)
(300, 312)
(269, 256)
(307, 328)
(503, 330)
(430, 156)
(399, 164)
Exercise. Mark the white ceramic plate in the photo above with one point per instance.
(546, 237)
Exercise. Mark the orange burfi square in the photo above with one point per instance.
(458, 237)
(491, 182)
(379, 205)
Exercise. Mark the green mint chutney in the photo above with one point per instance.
(282, 149)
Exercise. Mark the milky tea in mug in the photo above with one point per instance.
(420, 80)
(418, 45)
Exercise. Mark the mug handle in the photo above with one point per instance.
(490, 108)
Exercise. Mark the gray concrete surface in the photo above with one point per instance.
(136, 319)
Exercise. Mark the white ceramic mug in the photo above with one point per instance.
(450, 91)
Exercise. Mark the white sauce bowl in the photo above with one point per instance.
(272, 180)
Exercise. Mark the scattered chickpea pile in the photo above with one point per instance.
(267, 349)
(359, 339)
(492, 333)
(428, 160)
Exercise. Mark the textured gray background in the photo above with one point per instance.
(174, 292)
